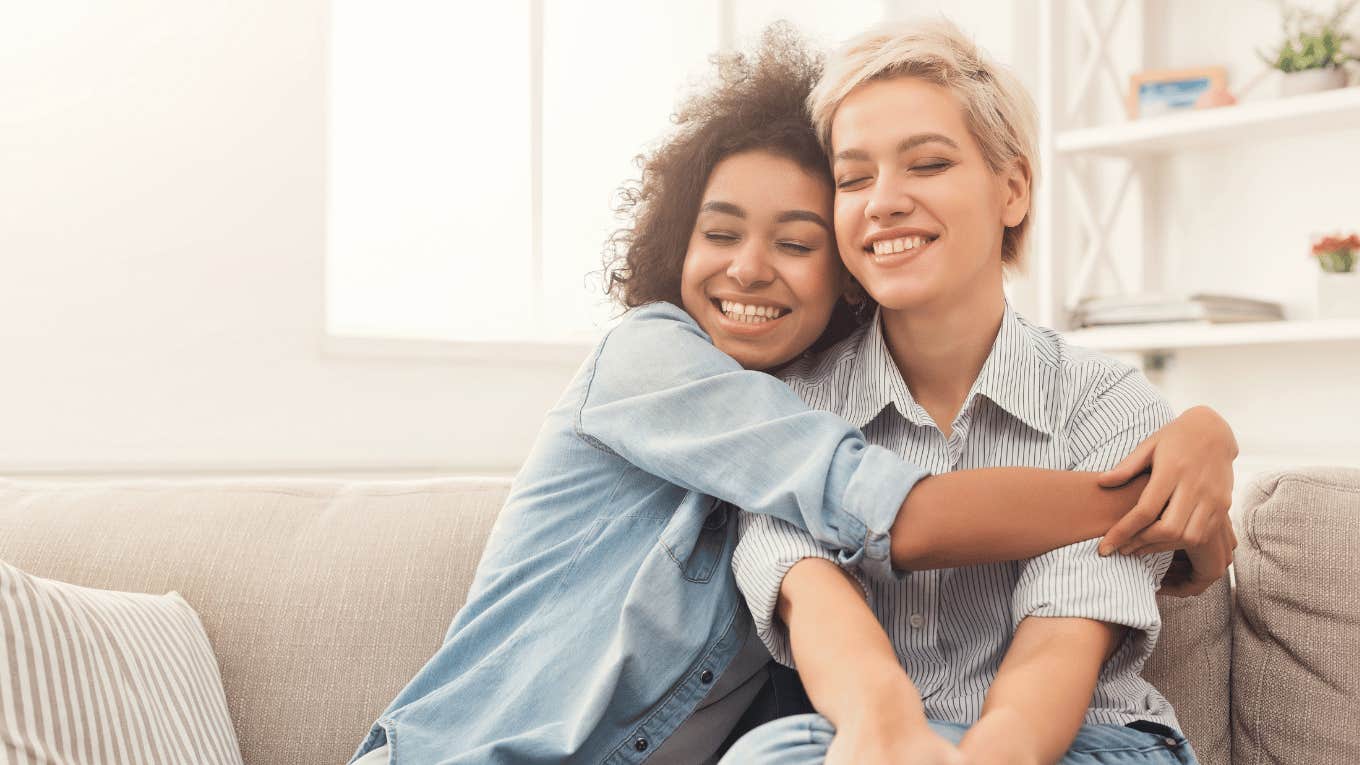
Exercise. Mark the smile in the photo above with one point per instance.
(891, 252)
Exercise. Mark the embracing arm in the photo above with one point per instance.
(1039, 698)
(662, 397)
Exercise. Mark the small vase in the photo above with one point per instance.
(1312, 81)
(1339, 295)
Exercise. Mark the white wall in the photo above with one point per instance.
(161, 243)
(162, 251)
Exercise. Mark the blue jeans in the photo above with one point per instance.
(803, 739)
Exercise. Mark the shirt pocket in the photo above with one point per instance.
(696, 537)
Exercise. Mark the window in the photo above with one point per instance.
(475, 151)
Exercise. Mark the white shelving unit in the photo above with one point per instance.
(1173, 336)
(1068, 148)
(1298, 115)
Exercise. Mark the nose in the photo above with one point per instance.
(750, 266)
(888, 199)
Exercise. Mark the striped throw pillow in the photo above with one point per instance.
(93, 676)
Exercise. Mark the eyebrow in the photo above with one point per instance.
(727, 208)
(907, 144)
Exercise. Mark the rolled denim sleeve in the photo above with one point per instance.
(766, 550)
(1075, 581)
(662, 397)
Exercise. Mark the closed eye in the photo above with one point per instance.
(795, 247)
(720, 237)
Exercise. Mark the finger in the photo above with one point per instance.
(1203, 527)
(1138, 460)
(1150, 505)
(1171, 526)
(1153, 549)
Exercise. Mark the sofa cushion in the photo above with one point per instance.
(1192, 667)
(97, 676)
(321, 598)
(1295, 670)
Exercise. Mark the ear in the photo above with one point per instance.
(1015, 189)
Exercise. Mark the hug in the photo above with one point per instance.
(823, 495)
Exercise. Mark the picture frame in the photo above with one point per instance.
(1163, 91)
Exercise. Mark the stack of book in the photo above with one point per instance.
(1163, 307)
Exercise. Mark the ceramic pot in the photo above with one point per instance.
(1339, 295)
(1312, 81)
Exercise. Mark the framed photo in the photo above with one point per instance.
(1163, 91)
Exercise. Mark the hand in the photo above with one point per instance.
(892, 745)
(1185, 504)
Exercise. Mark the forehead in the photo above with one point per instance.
(881, 113)
(761, 181)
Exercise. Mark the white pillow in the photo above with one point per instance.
(92, 676)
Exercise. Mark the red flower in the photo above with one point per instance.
(1336, 243)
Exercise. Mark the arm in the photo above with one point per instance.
(1038, 701)
(1072, 609)
(1186, 502)
(851, 671)
(970, 517)
(662, 397)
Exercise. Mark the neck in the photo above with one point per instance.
(940, 349)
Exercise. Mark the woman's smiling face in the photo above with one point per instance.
(919, 213)
(761, 274)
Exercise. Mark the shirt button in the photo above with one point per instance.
(1171, 742)
(706, 677)
(640, 745)
(917, 621)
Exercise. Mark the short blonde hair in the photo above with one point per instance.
(996, 105)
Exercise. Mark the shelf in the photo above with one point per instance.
(1170, 336)
(1257, 120)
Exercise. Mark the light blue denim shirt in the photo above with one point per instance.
(604, 606)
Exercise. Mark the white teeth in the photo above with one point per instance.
(749, 313)
(900, 244)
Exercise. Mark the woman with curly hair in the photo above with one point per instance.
(604, 624)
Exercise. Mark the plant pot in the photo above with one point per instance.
(1312, 81)
(1339, 295)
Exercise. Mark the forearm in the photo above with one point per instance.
(1042, 690)
(990, 515)
(843, 655)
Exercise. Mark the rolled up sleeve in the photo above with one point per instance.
(662, 397)
(1075, 581)
(767, 549)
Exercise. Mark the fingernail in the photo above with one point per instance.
(1104, 551)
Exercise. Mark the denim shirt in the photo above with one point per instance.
(604, 605)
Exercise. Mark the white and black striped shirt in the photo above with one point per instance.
(1037, 402)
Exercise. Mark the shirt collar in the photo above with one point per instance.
(1016, 377)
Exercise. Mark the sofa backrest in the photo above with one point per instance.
(321, 598)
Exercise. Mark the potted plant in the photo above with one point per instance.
(1314, 50)
(1339, 283)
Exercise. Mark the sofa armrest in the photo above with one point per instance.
(1296, 678)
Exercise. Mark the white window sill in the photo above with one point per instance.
(555, 352)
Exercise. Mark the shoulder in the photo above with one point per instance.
(1088, 385)
(827, 371)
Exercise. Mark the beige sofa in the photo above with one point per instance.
(321, 598)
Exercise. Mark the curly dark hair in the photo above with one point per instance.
(757, 103)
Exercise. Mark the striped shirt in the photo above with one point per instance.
(1037, 402)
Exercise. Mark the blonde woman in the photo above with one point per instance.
(1034, 661)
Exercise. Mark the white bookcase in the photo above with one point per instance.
(1075, 216)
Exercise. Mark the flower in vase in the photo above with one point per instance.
(1337, 254)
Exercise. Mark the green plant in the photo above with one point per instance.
(1312, 40)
